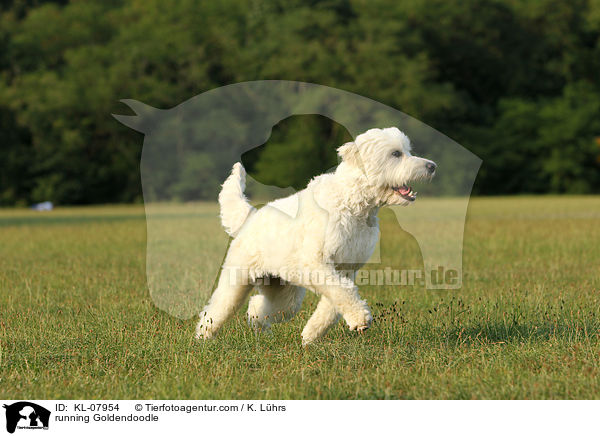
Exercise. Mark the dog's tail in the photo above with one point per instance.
(235, 207)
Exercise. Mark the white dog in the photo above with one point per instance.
(315, 239)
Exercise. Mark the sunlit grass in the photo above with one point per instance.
(77, 320)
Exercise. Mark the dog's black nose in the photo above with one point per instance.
(430, 167)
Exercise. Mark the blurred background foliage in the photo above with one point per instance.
(516, 82)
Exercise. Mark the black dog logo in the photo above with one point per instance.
(26, 415)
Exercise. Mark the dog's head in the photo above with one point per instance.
(384, 157)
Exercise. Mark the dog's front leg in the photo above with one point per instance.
(342, 293)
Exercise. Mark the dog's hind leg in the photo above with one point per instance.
(323, 318)
(276, 302)
(231, 292)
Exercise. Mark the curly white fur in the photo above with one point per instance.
(312, 239)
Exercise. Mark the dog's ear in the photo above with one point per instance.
(349, 153)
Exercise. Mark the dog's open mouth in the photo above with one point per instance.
(405, 192)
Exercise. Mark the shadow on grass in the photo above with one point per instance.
(499, 332)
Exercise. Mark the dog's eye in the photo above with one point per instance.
(397, 153)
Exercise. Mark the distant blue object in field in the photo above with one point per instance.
(44, 206)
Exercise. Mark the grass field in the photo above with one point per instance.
(76, 319)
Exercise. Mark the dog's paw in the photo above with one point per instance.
(309, 335)
(259, 322)
(204, 329)
(310, 338)
(203, 333)
(307, 341)
(359, 320)
(262, 326)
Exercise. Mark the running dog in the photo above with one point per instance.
(315, 239)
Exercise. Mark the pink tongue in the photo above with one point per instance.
(404, 190)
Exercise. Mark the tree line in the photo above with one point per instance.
(515, 82)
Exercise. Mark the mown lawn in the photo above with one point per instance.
(77, 321)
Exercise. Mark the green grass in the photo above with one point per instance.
(76, 319)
